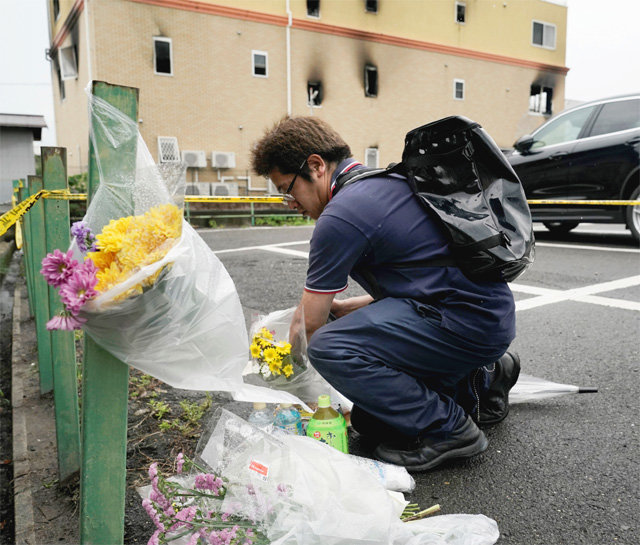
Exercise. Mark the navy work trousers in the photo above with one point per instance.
(394, 360)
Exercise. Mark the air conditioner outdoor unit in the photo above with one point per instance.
(195, 159)
(224, 189)
(198, 189)
(223, 159)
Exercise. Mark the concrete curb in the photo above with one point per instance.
(23, 501)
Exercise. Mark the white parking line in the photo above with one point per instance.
(582, 294)
(268, 247)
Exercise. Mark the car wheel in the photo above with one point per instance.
(561, 227)
(633, 216)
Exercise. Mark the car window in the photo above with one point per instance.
(562, 129)
(617, 116)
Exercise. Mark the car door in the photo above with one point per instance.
(603, 160)
(545, 169)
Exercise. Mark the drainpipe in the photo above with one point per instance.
(289, 23)
(86, 31)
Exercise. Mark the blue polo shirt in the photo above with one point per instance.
(378, 220)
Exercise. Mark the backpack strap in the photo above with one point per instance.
(355, 175)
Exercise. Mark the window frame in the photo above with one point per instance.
(455, 82)
(377, 150)
(312, 16)
(255, 52)
(368, 68)
(544, 24)
(600, 112)
(155, 64)
(455, 12)
(549, 101)
(377, 7)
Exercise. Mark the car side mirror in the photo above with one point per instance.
(524, 143)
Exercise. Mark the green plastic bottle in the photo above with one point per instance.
(328, 425)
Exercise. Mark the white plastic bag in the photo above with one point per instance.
(328, 499)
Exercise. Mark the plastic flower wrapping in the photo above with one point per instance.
(138, 279)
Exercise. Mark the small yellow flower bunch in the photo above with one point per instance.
(273, 358)
(130, 243)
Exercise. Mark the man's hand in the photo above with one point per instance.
(315, 309)
(343, 307)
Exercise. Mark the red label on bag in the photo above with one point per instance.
(259, 468)
(317, 435)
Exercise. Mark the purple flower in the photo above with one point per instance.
(179, 462)
(208, 481)
(79, 287)
(84, 237)
(153, 514)
(65, 321)
(58, 267)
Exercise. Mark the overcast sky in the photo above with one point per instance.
(602, 54)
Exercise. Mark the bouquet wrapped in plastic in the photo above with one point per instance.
(293, 491)
(281, 363)
(139, 279)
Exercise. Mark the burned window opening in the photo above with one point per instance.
(371, 6)
(314, 93)
(61, 87)
(162, 56)
(461, 11)
(56, 9)
(370, 81)
(313, 8)
(541, 99)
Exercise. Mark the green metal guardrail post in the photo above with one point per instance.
(36, 251)
(63, 351)
(21, 186)
(253, 217)
(105, 384)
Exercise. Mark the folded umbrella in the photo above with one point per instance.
(530, 388)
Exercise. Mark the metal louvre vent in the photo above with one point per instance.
(371, 157)
(168, 151)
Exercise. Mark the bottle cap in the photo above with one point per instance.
(285, 405)
(324, 401)
(259, 405)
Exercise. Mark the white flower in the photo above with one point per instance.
(266, 372)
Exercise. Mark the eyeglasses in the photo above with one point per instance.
(286, 196)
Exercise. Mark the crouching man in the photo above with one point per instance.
(424, 361)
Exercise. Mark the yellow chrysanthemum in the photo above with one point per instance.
(102, 260)
(165, 219)
(271, 354)
(113, 234)
(287, 370)
(255, 350)
(266, 333)
(109, 277)
(274, 367)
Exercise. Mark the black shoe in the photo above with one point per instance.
(494, 403)
(432, 450)
(373, 428)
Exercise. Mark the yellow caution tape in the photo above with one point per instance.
(18, 233)
(585, 203)
(9, 218)
(13, 215)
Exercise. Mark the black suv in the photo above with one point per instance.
(590, 152)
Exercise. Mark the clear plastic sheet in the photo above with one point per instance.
(306, 493)
(306, 384)
(187, 328)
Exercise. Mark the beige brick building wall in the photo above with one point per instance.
(213, 102)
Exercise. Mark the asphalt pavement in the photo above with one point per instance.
(558, 471)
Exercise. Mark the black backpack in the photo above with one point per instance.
(462, 178)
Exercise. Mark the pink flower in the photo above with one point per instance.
(153, 514)
(65, 321)
(58, 267)
(155, 538)
(79, 287)
(208, 481)
(153, 475)
(179, 462)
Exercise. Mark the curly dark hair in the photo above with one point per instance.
(290, 141)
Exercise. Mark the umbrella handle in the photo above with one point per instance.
(587, 390)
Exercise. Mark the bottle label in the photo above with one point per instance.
(332, 432)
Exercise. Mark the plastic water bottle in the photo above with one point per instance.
(328, 425)
(261, 417)
(288, 419)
